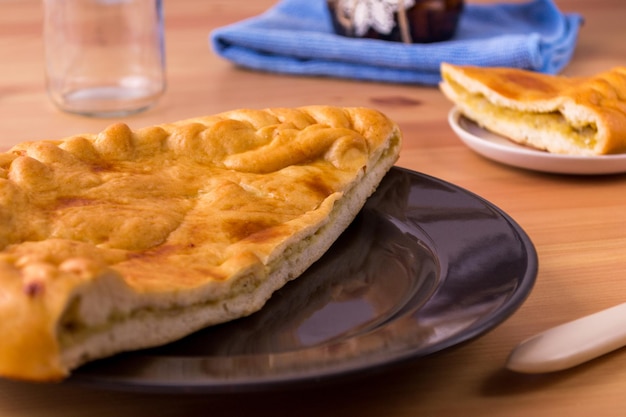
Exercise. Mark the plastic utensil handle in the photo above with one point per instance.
(572, 343)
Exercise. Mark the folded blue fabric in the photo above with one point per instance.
(297, 37)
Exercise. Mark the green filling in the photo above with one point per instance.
(583, 136)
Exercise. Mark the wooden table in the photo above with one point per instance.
(576, 223)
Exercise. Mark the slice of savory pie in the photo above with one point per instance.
(578, 116)
(129, 239)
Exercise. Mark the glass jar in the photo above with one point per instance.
(408, 21)
(104, 58)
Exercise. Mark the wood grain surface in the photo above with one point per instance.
(577, 224)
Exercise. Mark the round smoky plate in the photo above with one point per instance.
(425, 266)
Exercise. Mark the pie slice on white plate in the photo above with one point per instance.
(558, 114)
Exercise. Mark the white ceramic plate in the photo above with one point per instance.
(500, 149)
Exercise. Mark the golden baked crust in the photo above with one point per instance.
(579, 116)
(128, 239)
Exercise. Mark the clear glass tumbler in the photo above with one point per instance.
(104, 58)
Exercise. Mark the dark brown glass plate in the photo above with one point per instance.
(425, 266)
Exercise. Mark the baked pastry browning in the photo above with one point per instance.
(578, 116)
(130, 239)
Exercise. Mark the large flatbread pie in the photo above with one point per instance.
(128, 239)
(555, 113)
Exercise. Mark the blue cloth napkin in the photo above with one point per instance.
(296, 37)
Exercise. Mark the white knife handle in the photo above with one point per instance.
(572, 343)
